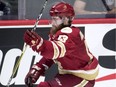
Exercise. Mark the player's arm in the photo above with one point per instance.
(37, 70)
(48, 49)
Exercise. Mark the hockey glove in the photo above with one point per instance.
(32, 75)
(33, 40)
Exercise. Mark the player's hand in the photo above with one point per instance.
(28, 82)
(32, 76)
(33, 39)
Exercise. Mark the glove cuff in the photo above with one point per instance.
(38, 45)
(36, 67)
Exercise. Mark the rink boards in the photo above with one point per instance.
(99, 33)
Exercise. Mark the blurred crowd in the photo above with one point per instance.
(4, 8)
(95, 6)
(30, 9)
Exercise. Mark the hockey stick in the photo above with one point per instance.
(25, 45)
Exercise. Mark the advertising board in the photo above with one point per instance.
(100, 38)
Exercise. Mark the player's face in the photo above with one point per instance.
(56, 21)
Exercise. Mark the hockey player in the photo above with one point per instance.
(67, 48)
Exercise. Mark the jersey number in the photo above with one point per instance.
(62, 38)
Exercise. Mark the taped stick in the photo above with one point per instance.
(17, 64)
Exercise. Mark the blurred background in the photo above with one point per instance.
(29, 9)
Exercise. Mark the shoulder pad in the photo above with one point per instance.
(66, 30)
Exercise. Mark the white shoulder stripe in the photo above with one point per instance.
(63, 49)
(56, 50)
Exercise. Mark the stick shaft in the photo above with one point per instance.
(40, 15)
(25, 45)
(17, 64)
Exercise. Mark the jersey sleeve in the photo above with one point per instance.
(58, 47)
(43, 65)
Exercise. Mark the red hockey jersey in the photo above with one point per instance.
(69, 50)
